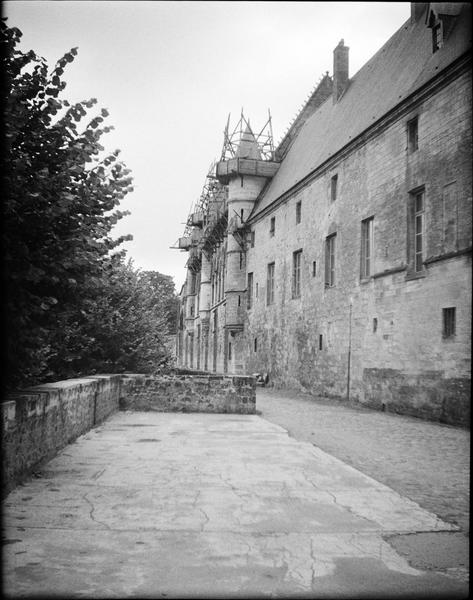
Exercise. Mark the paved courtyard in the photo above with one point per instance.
(198, 505)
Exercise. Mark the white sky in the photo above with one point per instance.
(170, 72)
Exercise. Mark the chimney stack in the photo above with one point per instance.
(417, 10)
(340, 70)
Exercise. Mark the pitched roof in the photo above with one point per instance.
(399, 68)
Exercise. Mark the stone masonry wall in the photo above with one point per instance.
(39, 421)
(189, 393)
(394, 326)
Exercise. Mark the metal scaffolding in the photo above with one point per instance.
(264, 139)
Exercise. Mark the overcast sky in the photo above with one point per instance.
(170, 73)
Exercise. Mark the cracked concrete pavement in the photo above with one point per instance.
(207, 505)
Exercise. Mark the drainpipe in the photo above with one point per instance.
(349, 350)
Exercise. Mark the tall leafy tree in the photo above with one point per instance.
(122, 326)
(61, 202)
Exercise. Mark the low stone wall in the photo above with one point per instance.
(189, 393)
(425, 395)
(39, 421)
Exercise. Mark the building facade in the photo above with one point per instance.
(340, 261)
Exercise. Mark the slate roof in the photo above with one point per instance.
(398, 69)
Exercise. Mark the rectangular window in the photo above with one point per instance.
(330, 261)
(321, 342)
(256, 344)
(249, 291)
(314, 268)
(270, 284)
(296, 273)
(367, 248)
(449, 322)
(412, 135)
(333, 188)
(252, 239)
(298, 212)
(419, 231)
(229, 351)
(241, 260)
(272, 226)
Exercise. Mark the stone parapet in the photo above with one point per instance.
(189, 393)
(39, 421)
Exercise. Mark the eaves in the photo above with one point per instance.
(450, 73)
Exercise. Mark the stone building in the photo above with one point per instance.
(340, 261)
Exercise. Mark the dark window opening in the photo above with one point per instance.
(333, 188)
(241, 215)
(413, 135)
(320, 342)
(272, 226)
(229, 351)
(298, 212)
(256, 344)
(314, 268)
(449, 321)
(239, 301)
(252, 239)
(249, 292)
(375, 325)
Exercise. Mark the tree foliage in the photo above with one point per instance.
(62, 269)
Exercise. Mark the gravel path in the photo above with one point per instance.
(425, 461)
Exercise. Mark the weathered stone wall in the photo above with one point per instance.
(396, 315)
(189, 393)
(37, 422)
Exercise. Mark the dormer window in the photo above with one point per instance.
(437, 36)
(441, 19)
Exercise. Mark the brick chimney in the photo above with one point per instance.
(340, 70)
(417, 10)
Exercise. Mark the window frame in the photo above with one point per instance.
(296, 273)
(449, 322)
(298, 212)
(330, 260)
(419, 236)
(270, 272)
(272, 226)
(367, 248)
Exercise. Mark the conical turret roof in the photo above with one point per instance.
(248, 147)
